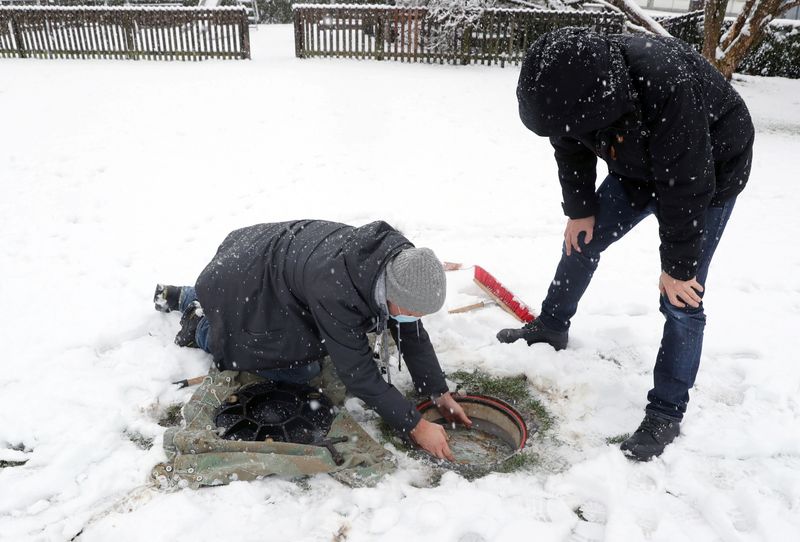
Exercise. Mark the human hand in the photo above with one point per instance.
(574, 227)
(432, 438)
(452, 411)
(680, 292)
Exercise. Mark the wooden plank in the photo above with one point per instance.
(213, 43)
(205, 37)
(215, 37)
(32, 34)
(94, 29)
(344, 30)
(57, 28)
(37, 40)
(80, 27)
(69, 33)
(173, 38)
(336, 26)
(229, 38)
(191, 36)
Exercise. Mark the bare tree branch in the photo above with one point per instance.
(639, 17)
(786, 7)
(608, 5)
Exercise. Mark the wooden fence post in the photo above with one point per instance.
(244, 32)
(130, 39)
(466, 44)
(299, 38)
(380, 23)
(23, 53)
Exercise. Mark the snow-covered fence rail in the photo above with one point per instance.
(688, 27)
(411, 34)
(124, 32)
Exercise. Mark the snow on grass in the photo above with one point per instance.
(117, 175)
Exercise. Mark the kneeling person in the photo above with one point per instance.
(277, 298)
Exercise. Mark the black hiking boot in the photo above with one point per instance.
(651, 438)
(534, 332)
(167, 297)
(189, 322)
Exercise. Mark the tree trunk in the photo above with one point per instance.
(714, 15)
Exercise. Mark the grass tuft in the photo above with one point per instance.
(171, 416)
(515, 390)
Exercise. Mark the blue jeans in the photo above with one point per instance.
(679, 356)
(295, 375)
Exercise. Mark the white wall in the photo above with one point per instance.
(734, 6)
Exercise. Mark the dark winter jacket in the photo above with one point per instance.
(286, 294)
(664, 120)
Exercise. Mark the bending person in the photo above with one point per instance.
(277, 298)
(678, 141)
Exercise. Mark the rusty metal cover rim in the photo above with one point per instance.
(493, 402)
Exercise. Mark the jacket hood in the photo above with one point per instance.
(573, 81)
(366, 254)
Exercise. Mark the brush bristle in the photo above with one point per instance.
(503, 295)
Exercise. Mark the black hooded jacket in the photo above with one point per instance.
(664, 120)
(286, 294)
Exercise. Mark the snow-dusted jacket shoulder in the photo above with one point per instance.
(686, 139)
(285, 294)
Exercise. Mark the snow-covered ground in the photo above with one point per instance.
(117, 175)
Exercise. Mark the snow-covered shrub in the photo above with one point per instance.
(450, 18)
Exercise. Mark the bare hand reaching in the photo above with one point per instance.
(452, 411)
(574, 227)
(432, 438)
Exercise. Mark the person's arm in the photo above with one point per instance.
(423, 365)
(577, 174)
(413, 341)
(682, 167)
(351, 355)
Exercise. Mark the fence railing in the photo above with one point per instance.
(688, 27)
(410, 34)
(124, 32)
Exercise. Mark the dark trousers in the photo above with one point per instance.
(679, 356)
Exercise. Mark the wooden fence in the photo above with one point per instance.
(688, 27)
(124, 32)
(409, 34)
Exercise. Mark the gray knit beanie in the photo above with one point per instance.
(415, 281)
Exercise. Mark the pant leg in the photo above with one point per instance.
(293, 375)
(615, 217)
(187, 297)
(678, 358)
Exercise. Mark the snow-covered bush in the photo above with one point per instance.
(450, 18)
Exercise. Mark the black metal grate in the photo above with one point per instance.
(275, 410)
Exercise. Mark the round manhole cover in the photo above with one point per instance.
(497, 433)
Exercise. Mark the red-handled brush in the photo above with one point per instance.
(499, 293)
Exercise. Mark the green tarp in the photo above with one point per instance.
(197, 456)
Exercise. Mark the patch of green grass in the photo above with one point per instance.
(520, 461)
(145, 443)
(618, 439)
(513, 389)
(171, 416)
